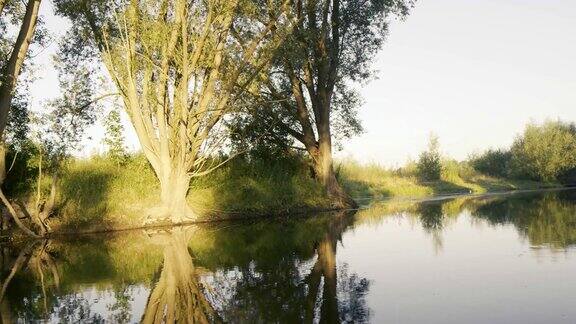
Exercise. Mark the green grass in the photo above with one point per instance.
(98, 194)
(257, 187)
(376, 181)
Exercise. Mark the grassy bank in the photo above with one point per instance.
(375, 181)
(97, 193)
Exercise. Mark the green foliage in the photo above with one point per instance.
(11, 18)
(494, 163)
(68, 116)
(292, 101)
(22, 168)
(114, 137)
(429, 163)
(256, 134)
(96, 192)
(544, 152)
(18, 124)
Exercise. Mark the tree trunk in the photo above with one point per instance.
(16, 61)
(174, 189)
(324, 171)
(2, 4)
(2, 162)
(9, 76)
(14, 215)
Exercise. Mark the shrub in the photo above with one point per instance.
(494, 163)
(429, 164)
(544, 152)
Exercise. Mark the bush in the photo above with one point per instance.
(21, 169)
(544, 152)
(429, 164)
(494, 163)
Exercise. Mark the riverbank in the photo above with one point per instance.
(373, 209)
(96, 195)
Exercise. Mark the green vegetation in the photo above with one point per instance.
(429, 164)
(114, 139)
(495, 163)
(543, 152)
(110, 192)
(99, 193)
(238, 119)
(375, 181)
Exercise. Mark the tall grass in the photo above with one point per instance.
(98, 191)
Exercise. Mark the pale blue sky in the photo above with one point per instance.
(474, 72)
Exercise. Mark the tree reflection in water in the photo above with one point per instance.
(544, 219)
(285, 271)
(253, 271)
(35, 258)
(177, 296)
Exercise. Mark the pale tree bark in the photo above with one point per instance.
(178, 297)
(177, 88)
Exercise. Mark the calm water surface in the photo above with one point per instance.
(499, 259)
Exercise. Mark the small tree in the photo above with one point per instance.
(430, 164)
(114, 138)
(60, 130)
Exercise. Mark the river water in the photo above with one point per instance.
(495, 259)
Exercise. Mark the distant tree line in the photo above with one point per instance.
(543, 152)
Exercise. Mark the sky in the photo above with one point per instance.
(472, 72)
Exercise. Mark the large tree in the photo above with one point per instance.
(11, 65)
(309, 93)
(13, 54)
(179, 67)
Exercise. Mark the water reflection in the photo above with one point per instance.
(545, 219)
(548, 219)
(254, 271)
(283, 271)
